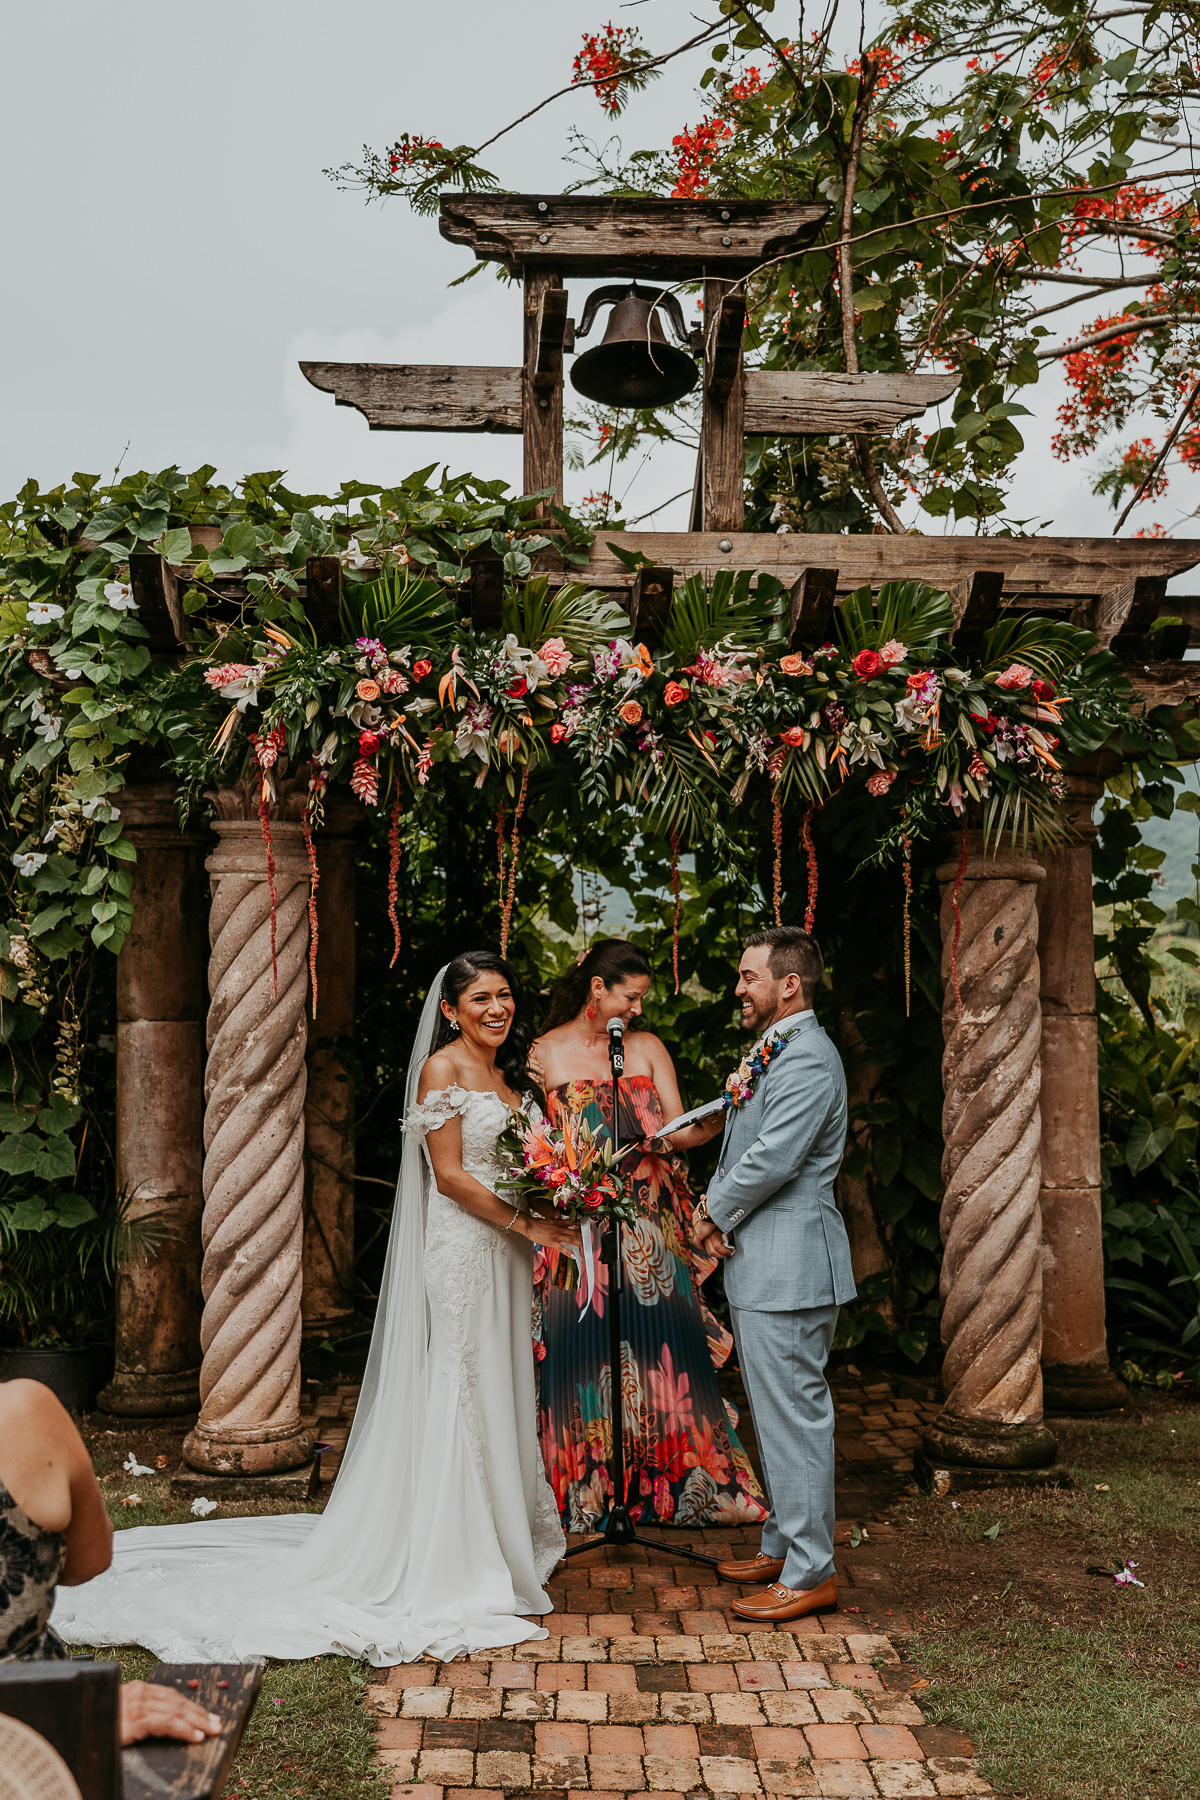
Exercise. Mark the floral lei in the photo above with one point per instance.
(746, 1076)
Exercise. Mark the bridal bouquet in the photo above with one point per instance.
(568, 1168)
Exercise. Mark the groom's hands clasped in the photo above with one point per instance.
(709, 1239)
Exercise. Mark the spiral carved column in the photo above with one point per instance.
(991, 1218)
(254, 1154)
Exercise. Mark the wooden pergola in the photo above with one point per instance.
(1023, 1268)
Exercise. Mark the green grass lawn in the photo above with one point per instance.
(310, 1732)
(1072, 1687)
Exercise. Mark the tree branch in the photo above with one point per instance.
(1161, 458)
(1149, 323)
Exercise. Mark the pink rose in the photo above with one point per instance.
(556, 656)
(880, 782)
(1017, 675)
(893, 652)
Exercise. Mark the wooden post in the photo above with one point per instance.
(542, 417)
(722, 427)
(1075, 1367)
(160, 1108)
(327, 1304)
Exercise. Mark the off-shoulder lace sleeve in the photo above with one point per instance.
(436, 1108)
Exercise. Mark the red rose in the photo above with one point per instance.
(518, 689)
(422, 668)
(368, 742)
(867, 664)
(1042, 690)
(794, 737)
(675, 692)
(558, 732)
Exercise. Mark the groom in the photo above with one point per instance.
(770, 1208)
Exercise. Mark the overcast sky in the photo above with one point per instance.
(175, 249)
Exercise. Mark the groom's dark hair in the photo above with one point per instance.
(792, 952)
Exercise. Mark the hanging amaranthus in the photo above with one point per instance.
(960, 875)
(675, 891)
(500, 859)
(774, 770)
(266, 755)
(506, 915)
(393, 874)
(908, 889)
(314, 882)
(810, 853)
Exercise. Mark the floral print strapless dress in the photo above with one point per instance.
(684, 1463)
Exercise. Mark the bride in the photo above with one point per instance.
(441, 1530)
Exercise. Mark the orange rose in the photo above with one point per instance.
(676, 692)
(631, 712)
(795, 665)
(795, 737)
(367, 690)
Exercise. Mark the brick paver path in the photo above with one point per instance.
(647, 1684)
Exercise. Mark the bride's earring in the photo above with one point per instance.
(454, 1024)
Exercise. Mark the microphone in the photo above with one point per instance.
(616, 1028)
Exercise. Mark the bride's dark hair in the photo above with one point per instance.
(512, 1058)
(612, 960)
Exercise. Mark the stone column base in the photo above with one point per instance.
(1082, 1387)
(136, 1395)
(940, 1479)
(988, 1443)
(263, 1450)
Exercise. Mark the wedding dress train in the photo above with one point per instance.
(441, 1529)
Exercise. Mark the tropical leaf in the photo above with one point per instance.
(398, 608)
(1047, 646)
(583, 617)
(727, 612)
(907, 610)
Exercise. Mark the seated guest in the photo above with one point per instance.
(54, 1529)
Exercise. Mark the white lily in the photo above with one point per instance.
(864, 744)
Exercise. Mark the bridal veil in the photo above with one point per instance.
(300, 1585)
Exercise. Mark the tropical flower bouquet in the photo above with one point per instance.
(567, 1169)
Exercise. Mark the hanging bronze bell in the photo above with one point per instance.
(634, 365)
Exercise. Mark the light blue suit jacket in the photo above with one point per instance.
(774, 1187)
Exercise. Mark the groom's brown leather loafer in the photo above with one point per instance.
(779, 1603)
(752, 1568)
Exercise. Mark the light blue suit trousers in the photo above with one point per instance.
(773, 1194)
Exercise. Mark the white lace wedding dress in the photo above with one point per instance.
(441, 1529)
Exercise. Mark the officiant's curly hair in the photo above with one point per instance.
(612, 960)
(512, 1058)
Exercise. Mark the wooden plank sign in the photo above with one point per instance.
(164, 1768)
(786, 403)
(601, 234)
(424, 396)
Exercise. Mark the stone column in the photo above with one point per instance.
(1075, 1366)
(160, 1108)
(328, 1297)
(254, 1152)
(991, 1220)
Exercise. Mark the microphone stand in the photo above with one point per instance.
(619, 1528)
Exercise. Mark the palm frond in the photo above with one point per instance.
(727, 611)
(908, 610)
(583, 617)
(1047, 646)
(398, 608)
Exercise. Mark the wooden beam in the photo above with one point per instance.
(601, 234)
(424, 396)
(549, 335)
(323, 598)
(1121, 616)
(650, 606)
(1036, 570)
(1167, 684)
(976, 602)
(543, 460)
(160, 610)
(722, 422)
(723, 350)
(782, 403)
(810, 612)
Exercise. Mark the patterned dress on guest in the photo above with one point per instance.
(684, 1463)
(31, 1561)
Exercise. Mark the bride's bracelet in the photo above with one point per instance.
(513, 1220)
